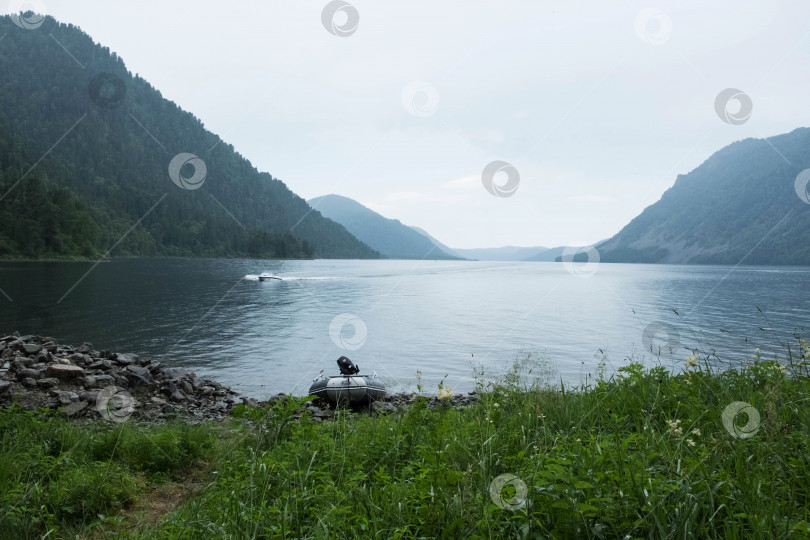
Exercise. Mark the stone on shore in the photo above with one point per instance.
(38, 372)
(31, 348)
(73, 408)
(383, 406)
(29, 373)
(48, 383)
(125, 359)
(64, 371)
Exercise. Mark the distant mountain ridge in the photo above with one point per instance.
(739, 206)
(388, 236)
(505, 253)
(85, 153)
(548, 255)
(441, 246)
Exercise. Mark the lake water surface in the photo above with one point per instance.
(397, 317)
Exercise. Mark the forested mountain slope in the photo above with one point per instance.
(85, 153)
(388, 236)
(740, 205)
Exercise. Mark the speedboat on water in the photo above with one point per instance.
(267, 276)
(348, 387)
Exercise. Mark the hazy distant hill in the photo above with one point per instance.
(85, 150)
(388, 236)
(446, 249)
(740, 205)
(506, 253)
(548, 255)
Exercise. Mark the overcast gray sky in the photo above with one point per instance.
(598, 105)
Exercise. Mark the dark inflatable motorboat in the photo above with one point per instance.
(348, 388)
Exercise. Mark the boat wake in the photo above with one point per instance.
(255, 277)
(310, 278)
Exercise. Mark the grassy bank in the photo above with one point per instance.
(643, 454)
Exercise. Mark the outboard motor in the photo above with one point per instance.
(346, 366)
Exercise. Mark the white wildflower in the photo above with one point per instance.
(674, 430)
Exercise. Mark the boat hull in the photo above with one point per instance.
(348, 389)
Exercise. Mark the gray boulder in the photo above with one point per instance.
(21, 362)
(90, 396)
(138, 370)
(49, 382)
(66, 398)
(27, 373)
(64, 371)
(31, 348)
(103, 381)
(74, 408)
(125, 359)
(136, 380)
(383, 406)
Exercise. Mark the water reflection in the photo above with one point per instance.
(436, 317)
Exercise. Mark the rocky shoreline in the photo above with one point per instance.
(84, 383)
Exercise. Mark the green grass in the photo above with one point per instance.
(64, 478)
(642, 454)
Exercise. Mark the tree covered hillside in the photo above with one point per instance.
(388, 236)
(85, 151)
(740, 205)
